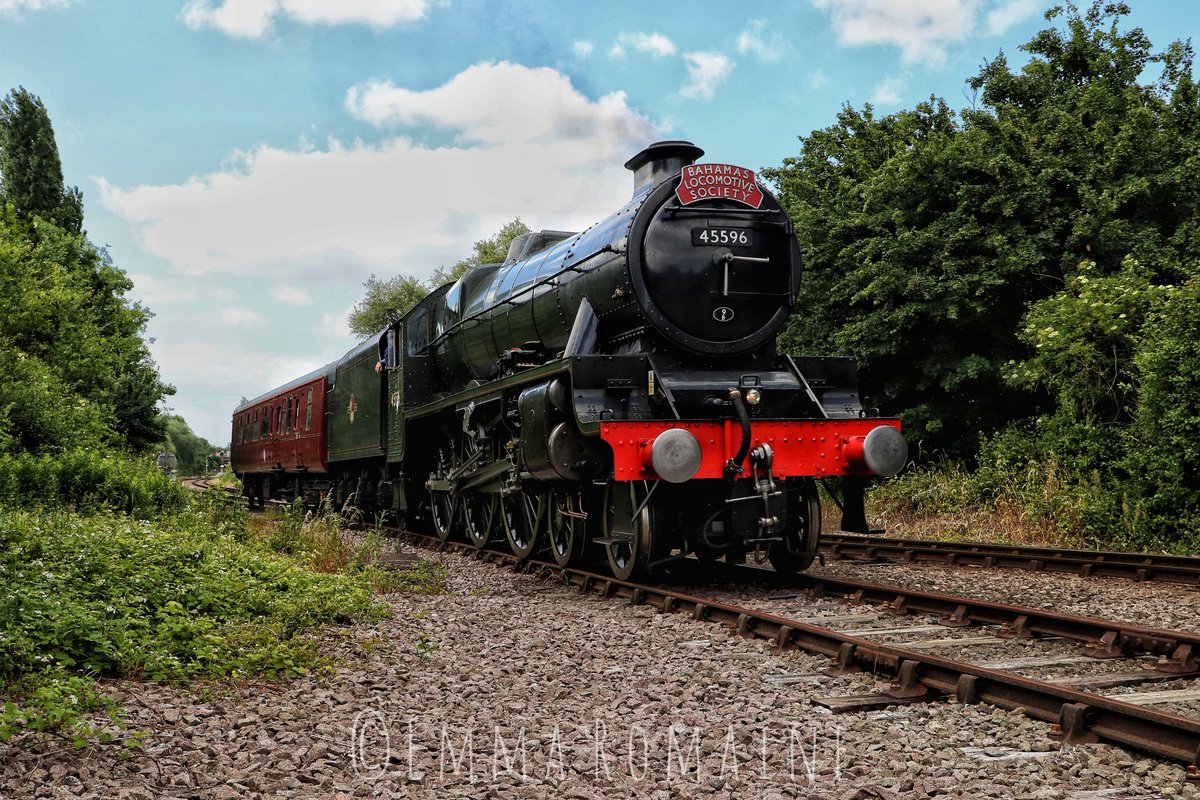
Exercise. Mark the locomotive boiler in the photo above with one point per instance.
(614, 391)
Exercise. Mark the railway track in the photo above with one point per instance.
(1087, 563)
(1075, 706)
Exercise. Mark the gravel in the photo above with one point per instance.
(609, 700)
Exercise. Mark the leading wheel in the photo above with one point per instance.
(524, 516)
(566, 528)
(799, 546)
(627, 530)
(481, 518)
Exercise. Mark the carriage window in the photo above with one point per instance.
(308, 414)
(254, 426)
(264, 423)
(417, 329)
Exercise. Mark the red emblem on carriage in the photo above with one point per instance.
(718, 182)
(351, 409)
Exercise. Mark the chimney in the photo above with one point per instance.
(661, 160)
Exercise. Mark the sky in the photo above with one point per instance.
(250, 163)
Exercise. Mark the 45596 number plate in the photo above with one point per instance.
(727, 237)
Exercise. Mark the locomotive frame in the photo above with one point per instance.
(613, 390)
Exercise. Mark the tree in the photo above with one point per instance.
(191, 451)
(931, 233)
(387, 301)
(492, 250)
(74, 368)
(384, 303)
(1164, 446)
(30, 165)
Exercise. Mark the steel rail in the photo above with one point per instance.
(1178, 651)
(1077, 716)
(1134, 566)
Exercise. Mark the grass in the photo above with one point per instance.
(204, 591)
(946, 502)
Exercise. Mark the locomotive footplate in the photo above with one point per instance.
(801, 448)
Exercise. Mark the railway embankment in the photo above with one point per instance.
(491, 682)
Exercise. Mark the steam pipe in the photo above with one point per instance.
(734, 465)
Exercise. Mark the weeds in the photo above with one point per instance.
(423, 577)
(427, 647)
(195, 593)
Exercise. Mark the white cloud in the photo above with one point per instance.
(818, 79)
(1009, 13)
(218, 373)
(526, 142)
(706, 71)
(291, 296)
(583, 48)
(315, 219)
(252, 19)
(887, 92)
(155, 291)
(920, 28)
(334, 323)
(653, 44)
(15, 7)
(506, 103)
(755, 40)
(237, 315)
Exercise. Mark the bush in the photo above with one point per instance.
(190, 594)
(89, 481)
(1165, 440)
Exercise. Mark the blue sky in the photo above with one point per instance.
(250, 163)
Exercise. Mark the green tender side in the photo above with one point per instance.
(359, 434)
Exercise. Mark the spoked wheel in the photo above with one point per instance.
(524, 516)
(799, 546)
(566, 528)
(481, 515)
(445, 509)
(630, 546)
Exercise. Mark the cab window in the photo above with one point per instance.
(417, 332)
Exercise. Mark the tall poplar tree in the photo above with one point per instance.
(29, 163)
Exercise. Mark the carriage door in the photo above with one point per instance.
(394, 395)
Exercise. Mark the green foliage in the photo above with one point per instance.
(384, 303)
(189, 594)
(422, 577)
(931, 233)
(1164, 443)
(427, 647)
(89, 481)
(193, 453)
(56, 701)
(492, 250)
(1007, 276)
(31, 177)
(387, 301)
(74, 370)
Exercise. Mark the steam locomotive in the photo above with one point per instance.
(615, 390)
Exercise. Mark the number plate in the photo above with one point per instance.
(722, 237)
